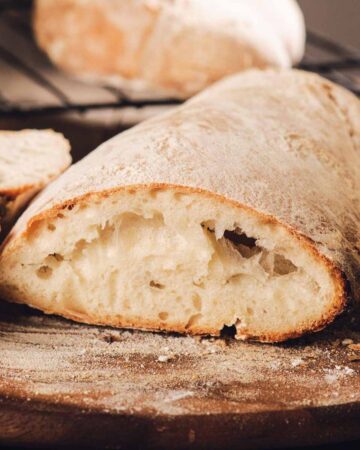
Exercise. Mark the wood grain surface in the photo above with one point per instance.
(65, 384)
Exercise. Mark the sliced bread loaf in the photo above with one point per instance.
(29, 160)
(239, 208)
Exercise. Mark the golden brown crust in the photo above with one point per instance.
(338, 304)
(12, 193)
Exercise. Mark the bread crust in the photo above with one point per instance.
(290, 173)
(17, 196)
(122, 41)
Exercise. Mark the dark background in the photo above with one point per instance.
(338, 19)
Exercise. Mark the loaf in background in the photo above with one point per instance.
(168, 48)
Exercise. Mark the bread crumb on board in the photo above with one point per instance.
(297, 362)
(164, 358)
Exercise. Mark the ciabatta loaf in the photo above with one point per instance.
(173, 48)
(239, 208)
(29, 159)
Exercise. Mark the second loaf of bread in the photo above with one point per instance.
(171, 48)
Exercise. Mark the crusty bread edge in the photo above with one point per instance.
(13, 192)
(338, 277)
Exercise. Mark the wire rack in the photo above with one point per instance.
(29, 84)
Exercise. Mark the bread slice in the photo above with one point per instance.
(240, 207)
(157, 48)
(29, 160)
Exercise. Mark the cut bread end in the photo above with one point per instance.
(29, 160)
(171, 258)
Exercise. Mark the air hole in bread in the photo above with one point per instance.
(163, 315)
(194, 319)
(197, 302)
(156, 285)
(44, 272)
(228, 331)
(275, 264)
(57, 257)
(244, 244)
(283, 266)
(234, 278)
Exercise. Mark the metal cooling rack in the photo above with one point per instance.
(29, 84)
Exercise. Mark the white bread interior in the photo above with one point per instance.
(169, 259)
(29, 160)
(236, 208)
(157, 48)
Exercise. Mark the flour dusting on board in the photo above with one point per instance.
(140, 372)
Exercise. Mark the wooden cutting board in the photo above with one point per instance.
(63, 383)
